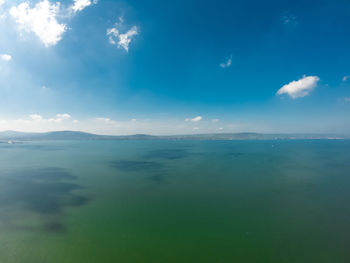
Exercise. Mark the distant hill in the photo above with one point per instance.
(76, 135)
(68, 135)
(254, 136)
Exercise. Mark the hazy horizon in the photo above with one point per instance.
(171, 134)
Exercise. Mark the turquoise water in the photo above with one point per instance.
(175, 201)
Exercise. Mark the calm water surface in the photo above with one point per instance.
(175, 201)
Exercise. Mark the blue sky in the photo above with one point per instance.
(170, 67)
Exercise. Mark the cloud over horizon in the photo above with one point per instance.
(36, 117)
(60, 117)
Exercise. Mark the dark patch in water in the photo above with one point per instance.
(55, 227)
(170, 154)
(235, 154)
(42, 191)
(53, 174)
(136, 166)
(76, 200)
(158, 178)
(156, 170)
(49, 227)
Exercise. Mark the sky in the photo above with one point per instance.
(175, 67)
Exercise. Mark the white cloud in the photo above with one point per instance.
(215, 120)
(63, 116)
(347, 99)
(104, 120)
(227, 64)
(195, 119)
(345, 78)
(79, 5)
(41, 20)
(299, 88)
(60, 117)
(36, 117)
(5, 57)
(195, 128)
(3, 15)
(220, 129)
(119, 39)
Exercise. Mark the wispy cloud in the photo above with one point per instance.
(104, 120)
(5, 57)
(347, 99)
(36, 117)
(122, 40)
(63, 116)
(299, 88)
(289, 20)
(195, 119)
(60, 117)
(227, 63)
(345, 78)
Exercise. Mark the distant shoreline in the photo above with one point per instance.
(13, 136)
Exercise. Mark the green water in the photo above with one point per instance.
(175, 201)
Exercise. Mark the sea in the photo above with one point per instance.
(279, 201)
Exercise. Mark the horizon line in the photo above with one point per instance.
(189, 134)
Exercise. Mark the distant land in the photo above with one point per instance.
(9, 136)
